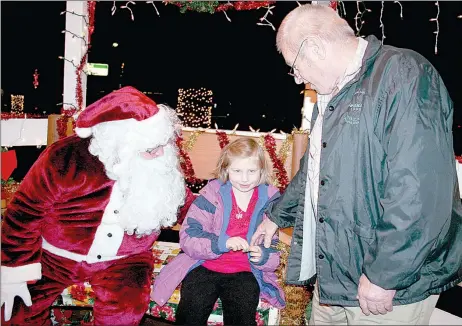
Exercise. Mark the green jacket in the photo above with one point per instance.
(388, 203)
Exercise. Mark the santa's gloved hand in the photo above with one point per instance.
(9, 291)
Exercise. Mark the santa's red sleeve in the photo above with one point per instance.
(187, 202)
(21, 230)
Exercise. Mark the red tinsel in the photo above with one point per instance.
(11, 115)
(278, 166)
(223, 139)
(185, 163)
(459, 159)
(243, 5)
(91, 5)
(333, 4)
(36, 79)
(61, 123)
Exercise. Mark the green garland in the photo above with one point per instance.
(199, 6)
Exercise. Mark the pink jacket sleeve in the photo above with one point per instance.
(197, 237)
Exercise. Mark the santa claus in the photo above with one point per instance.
(90, 210)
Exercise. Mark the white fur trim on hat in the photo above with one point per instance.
(83, 132)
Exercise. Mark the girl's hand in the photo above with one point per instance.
(255, 254)
(237, 243)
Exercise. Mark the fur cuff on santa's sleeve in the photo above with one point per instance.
(20, 274)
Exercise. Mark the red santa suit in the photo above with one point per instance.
(61, 229)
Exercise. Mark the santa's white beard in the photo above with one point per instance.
(153, 190)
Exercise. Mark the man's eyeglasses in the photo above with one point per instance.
(292, 68)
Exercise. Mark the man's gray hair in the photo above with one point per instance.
(312, 21)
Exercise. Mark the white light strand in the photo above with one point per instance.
(401, 9)
(226, 15)
(381, 22)
(359, 22)
(155, 8)
(128, 8)
(342, 5)
(265, 20)
(114, 8)
(436, 19)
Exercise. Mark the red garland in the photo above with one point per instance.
(91, 5)
(36, 79)
(185, 163)
(12, 115)
(278, 166)
(333, 4)
(223, 139)
(61, 123)
(243, 5)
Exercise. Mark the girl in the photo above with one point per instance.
(218, 261)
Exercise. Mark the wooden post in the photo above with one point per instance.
(75, 47)
(308, 106)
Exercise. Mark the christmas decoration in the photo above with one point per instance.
(223, 139)
(17, 104)
(198, 6)
(185, 163)
(36, 79)
(195, 107)
(9, 163)
(8, 116)
(436, 20)
(278, 166)
(91, 5)
(189, 144)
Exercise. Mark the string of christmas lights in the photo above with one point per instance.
(359, 21)
(17, 104)
(382, 26)
(436, 20)
(195, 107)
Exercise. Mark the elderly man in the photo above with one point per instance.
(375, 205)
(90, 209)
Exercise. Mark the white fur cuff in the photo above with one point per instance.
(83, 132)
(20, 274)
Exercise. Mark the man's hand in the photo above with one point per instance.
(373, 299)
(265, 231)
(237, 243)
(9, 292)
(255, 254)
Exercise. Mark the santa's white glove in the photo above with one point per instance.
(9, 291)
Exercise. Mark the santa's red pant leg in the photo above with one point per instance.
(122, 291)
(121, 287)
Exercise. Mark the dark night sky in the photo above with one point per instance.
(237, 60)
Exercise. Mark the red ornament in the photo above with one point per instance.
(36, 79)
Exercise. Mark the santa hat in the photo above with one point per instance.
(122, 104)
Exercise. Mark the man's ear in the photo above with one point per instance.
(316, 48)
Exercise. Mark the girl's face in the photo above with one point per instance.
(244, 173)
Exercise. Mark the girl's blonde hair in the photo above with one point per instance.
(242, 148)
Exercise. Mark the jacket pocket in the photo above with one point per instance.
(365, 233)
